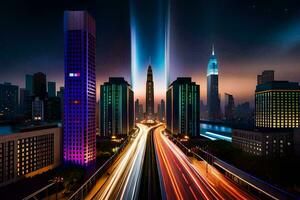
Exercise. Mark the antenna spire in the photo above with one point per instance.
(213, 50)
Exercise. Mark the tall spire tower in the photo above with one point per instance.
(149, 94)
(213, 100)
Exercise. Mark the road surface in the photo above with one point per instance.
(122, 180)
(184, 178)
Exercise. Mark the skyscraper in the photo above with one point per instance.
(80, 88)
(265, 77)
(37, 109)
(61, 96)
(277, 105)
(29, 83)
(138, 111)
(150, 40)
(54, 109)
(183, 110)
(39, 85)
(149, 94)
(229, 107)
(51, 89)
(9, 98)
(213, 100)
(161, 110)
(117, 111)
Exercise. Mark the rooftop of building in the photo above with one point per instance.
(182, 80)
(116, 80)
(17, 128)
(278, 85)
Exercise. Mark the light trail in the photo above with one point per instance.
(188, 178)
(124, 178)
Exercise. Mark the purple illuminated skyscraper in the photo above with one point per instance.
(80, 88)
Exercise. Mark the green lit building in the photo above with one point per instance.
(116, 107)
(183, 107)
(277, 105)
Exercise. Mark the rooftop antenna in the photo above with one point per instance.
(213, 50)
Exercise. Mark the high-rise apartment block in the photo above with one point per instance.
(117, 107)
(183, 107)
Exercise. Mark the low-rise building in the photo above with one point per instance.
(264, 142)
(25, 152)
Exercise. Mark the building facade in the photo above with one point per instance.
(277, 105)
(80, 88)
(116, 107)
(213, 99)
(229, 108)
(51, 89)
(183, 107)
(29, 83)
(149, 94)
(9, 101)
(38, 113)
(138, 109)
(161, 109)
(40, 85)
(265, 77)
(29, 151)
(264, 142)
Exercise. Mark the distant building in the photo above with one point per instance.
(29, 151)
(37, 109)
(139, 112)
(203, 111)
(244, 115)
(183, 109)
(213, 99)
(149, 94)
(264, 142)
(61, 95)
(54, 109)
(29, 83)
(265, 77)
(117, 111)
(9, 101)
(161, 107)
(39, 85)
(277, 105)
(80, 88)
(229, 108)
(51, 89)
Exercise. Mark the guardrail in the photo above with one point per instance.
(81, 192)
(261, 187)
(91, 182)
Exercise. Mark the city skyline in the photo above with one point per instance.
(275, 47)
(188, 99)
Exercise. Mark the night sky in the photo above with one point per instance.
(249, 36)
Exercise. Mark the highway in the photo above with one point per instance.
(150, 185)
(185, 178)
(122, 180)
